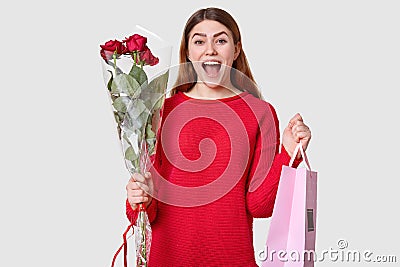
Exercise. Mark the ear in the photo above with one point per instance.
(238, 48)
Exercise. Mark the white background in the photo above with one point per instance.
(62, 173)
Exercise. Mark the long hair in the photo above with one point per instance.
(187, 76)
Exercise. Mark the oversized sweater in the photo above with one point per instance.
(217, 166)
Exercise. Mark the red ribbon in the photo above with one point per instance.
(124, 245)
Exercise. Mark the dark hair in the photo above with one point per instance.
(187, 75)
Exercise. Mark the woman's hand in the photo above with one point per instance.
(139, 189)
(296, 132)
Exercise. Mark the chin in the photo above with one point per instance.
(212, 85)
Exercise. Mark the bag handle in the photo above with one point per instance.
(303, 154)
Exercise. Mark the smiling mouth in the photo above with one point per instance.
(212, 68)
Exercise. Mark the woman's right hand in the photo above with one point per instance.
(139, 189)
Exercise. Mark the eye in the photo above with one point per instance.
(222, 41)
(198, 42)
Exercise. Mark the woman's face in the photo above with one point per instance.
(211, 49)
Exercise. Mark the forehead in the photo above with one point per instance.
(210, 27)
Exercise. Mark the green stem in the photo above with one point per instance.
(143, 242)
(134, 58)
(140, 61)
(142, 212)
(144, 238)
(115, 62)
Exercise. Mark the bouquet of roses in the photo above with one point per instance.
(137, 92)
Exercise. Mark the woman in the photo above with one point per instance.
(217, 164)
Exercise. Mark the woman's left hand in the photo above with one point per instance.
(296, 132)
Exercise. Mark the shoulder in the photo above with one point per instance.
(170, 101)
(261, 108)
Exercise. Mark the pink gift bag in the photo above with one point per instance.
(291, 236)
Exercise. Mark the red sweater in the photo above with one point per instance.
(216, 168)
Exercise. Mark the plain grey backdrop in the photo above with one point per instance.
(63, 180)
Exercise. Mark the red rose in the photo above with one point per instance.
(106, 55)
(108, 49)
(148, 57)
(135, 42)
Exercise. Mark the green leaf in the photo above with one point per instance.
(121, 103)
(111, 63)
(110, 81)
(121, 116)
(114, 88)
(159, 83)
(128, 135)
(136, 163)
(116, 117)
(130, 154)
(159, 103)
(139, 122)
(151, 145)
(138, 74)
(149, 132)
(136, 115)
(154, 92)
(136, 108)
(124, 83)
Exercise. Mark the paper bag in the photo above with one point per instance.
(292, 232)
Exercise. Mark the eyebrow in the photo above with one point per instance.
(205, 35)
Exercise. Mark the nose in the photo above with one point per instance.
(210, 49)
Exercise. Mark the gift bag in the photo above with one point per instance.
(292, 232)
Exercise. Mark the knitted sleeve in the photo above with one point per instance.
(133, 214)
(263, 185)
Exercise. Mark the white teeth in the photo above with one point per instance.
(212, 63)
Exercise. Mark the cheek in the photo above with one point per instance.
(228, 52)
(229, 55)
(194, 52)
